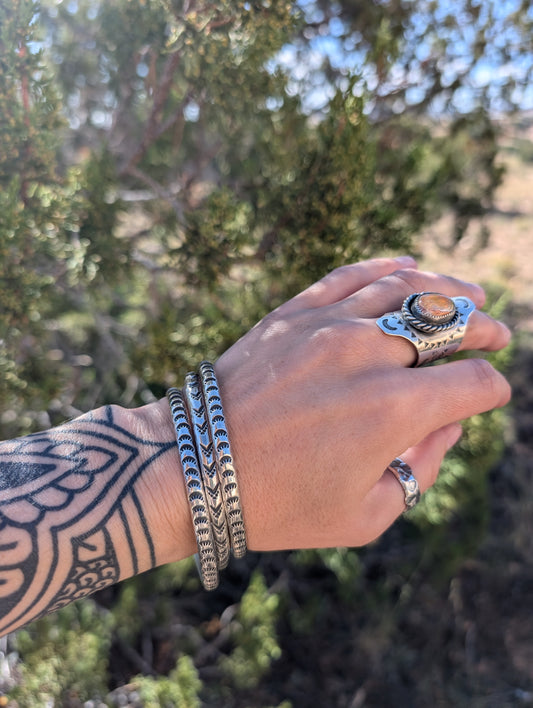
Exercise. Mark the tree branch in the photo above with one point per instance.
(158, 190)
(152, 131)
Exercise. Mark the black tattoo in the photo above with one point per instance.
(67, 500)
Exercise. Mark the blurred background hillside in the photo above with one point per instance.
(171, 170)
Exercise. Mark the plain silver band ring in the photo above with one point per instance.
(404, 474)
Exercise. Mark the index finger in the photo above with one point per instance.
(386, 294)
(348, 279)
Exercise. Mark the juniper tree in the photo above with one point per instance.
(170, 171)
(164, 162)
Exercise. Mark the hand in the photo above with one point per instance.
(318, 402)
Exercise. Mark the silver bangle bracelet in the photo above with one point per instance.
(207, 555)
(205, 451)
(223, 457)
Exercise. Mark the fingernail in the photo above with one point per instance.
(407, 261)
(506, 331)
(454, 435)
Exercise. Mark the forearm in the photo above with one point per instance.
(82, 506)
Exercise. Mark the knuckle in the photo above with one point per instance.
(407, 279)
(342, 272)
(269, 319)
(327, 340)
(483, 372)
(346, 268)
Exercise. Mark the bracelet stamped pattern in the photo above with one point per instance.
(224, 458)
(207, 464)
(207, 554)
(205, 448)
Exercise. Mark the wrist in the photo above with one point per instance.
(161, 489)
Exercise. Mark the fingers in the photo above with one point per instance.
(388, 293)
(346, 280)
(432, 397)
(371, 288)
(386, 500)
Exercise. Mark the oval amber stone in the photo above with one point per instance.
(434, 307)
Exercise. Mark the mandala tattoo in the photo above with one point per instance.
(71, 490)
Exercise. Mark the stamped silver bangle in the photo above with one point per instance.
(223, 458)
(205, 449)
(206, 558)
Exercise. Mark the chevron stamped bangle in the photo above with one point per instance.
(204, 447)
(209, 473)
(207, 556)
(224, 458)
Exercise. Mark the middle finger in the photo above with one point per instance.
(387, 294)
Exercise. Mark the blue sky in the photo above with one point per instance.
(507, 57)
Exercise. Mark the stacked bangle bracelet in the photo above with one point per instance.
(208, 471)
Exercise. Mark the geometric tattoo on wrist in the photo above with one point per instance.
(68, 499)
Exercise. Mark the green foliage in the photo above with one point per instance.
(179, 689)
(344, 563)
(28, 105)
(254, 635)
(522, 148)
(162, 165)
(169, 172)
(143, 599)
(471, 152)
(41, 254)
(457, 506)
(64, 657)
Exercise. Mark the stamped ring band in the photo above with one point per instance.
(434, 323)
(404, 474)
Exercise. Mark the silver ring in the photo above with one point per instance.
(434, 323)
(404, 474)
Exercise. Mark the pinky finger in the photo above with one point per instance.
(385, 502)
